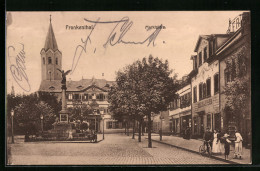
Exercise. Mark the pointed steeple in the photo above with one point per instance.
(12, 92)
(50, 42)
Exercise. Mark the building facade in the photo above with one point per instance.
(235, 59)
(86, 96)
(180, 109)
(205, 84)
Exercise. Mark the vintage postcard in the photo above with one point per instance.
(128, 88)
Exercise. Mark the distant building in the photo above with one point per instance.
(180, 109)
(92, 93)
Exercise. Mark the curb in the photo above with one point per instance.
(196, 152)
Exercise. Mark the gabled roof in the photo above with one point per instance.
(198, 41)
(207, 37)
(50, 42)
(77, 86)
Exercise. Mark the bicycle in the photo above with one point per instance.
(205, 147)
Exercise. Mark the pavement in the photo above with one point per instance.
(192, 145)
(115, 149)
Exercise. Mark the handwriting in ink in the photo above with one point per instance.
(18, 69)
(81, 48)
(115, 37)
(117, 34)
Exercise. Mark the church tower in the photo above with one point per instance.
(51, 57)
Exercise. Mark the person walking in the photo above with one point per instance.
(238, 145)
(216, 142)
(226, 145)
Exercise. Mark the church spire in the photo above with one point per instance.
(12, 92)
(50, 42)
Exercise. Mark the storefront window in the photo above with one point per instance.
(109, 124)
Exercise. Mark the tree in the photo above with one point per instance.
(29, 111)
(142, 88)
(51, 100)
(237, 90)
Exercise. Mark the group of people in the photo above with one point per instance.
(221, 143)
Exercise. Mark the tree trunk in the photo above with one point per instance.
(142, 125)
(133, 137)
(125, 128)
(140, 130)
(149, 131)
(127, 123)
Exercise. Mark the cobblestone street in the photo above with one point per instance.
(116, 149)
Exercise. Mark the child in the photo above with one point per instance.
(226, 145)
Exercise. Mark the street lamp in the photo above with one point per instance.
(95, 114)
(12, 115)
(42, 122)
(103, 118)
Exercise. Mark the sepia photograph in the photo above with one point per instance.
(128, 88)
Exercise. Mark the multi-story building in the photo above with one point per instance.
(180, 108)
(90, 93)
(205, 84)
(237, 52)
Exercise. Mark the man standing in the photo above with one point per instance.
(208, 137)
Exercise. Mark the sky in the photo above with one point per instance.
(26, 32)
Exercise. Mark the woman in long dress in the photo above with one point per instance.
(238, 146)
(216, 143)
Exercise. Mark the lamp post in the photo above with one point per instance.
(103, 118)
(12, 116)
(42, 122)
(95, 114)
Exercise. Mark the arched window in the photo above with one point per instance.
(43, 61)
(56, 61)
(49, 60)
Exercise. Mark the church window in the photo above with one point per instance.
(56, 61)
(43, 61)
(49, 60)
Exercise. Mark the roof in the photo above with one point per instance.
(207, 37)
(50, 42)
(81, 85)
(198, 41)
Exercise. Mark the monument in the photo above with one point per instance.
(63, 122)
(64, 114)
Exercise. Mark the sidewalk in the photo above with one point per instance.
(192, 145)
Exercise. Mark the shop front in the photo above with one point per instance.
(185, 119)
(206, 115)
